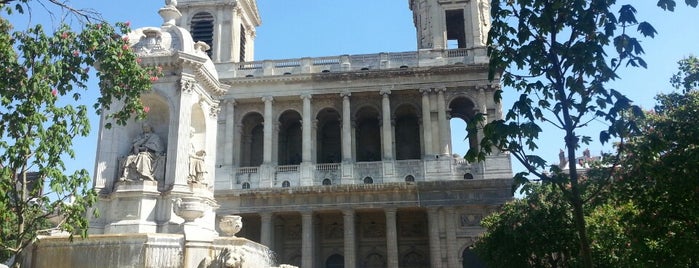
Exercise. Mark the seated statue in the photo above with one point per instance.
(140, 164)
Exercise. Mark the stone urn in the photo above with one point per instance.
(189, 208)
(231, 224)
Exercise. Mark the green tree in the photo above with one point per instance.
(42, 79)
(660, 176)
(555, 53)
(644, 216)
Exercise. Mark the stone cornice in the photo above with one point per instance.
(354, 75)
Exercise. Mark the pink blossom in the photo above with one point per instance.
(127, 23)
(160, 69)
(125, 38)
(76, 53)
(153, 78)
(138, 60)
(54, 92)
(87, 69)
(64, 35)
(125, 47)
(146, 109)
(99, 26)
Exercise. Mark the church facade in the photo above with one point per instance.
(338, 161)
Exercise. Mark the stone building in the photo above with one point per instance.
(338, 161)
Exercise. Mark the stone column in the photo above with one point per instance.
(450, 220)
(307, 238)
(433, 225)
(229, 133)
(386, 125)
(346, 128)
(444, 135)
(391, 238)
(217, 37)
(235, 23)
(267, 147)
(266, 231)
(237, 144)
(306, 128)
(349, 238)
(426, 121)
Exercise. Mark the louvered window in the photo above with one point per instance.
(203, 29)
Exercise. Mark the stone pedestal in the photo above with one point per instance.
(132, 208)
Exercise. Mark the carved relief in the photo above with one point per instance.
(373, 230)
(334, 231)
(471, 219)
(187, 85)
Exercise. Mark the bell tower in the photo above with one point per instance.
(452, 24)
(227, 26)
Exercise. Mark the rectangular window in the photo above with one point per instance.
(456, 32)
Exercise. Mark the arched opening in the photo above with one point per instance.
(329, 144)
(462, 112)
(203, 29)
(286, 184)
(368, 180)
(290, 140)
(407, 133)
(468, 176)
(252, 143)
(335, 261)
(410, 178)
(471, 260)
(327, 182)
(246, 185)
(368, 135)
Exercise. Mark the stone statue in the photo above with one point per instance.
(197, 169)
(139, 165)
(562, 159)
(171, 3)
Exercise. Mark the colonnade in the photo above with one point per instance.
(233, 144)
(350, 235)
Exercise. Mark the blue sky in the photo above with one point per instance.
(309, 28)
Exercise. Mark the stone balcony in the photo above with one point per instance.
(377, 172)
(349, 63)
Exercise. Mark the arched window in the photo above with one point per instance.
(368, 135)
(368, 180)
(246, 185)
(462, 111)
(252, 140)
(468, 176)
(328, 145)
(203, 29)
(470, 259)
(407, 133)
(409, 178)
(335, 261)
(289, 146)
(286, 184)
(327, 182)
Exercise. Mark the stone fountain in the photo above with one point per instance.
(156, 203)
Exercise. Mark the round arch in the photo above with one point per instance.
(367, 134)
(329, 136)
(290, 138)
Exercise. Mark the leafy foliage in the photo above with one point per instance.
(645, 215)
(555, 54)
(661, 178)
(43, 77)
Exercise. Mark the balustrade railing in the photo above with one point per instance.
(246, 170)
(350, 62)
(288, 168)
(328, 166)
